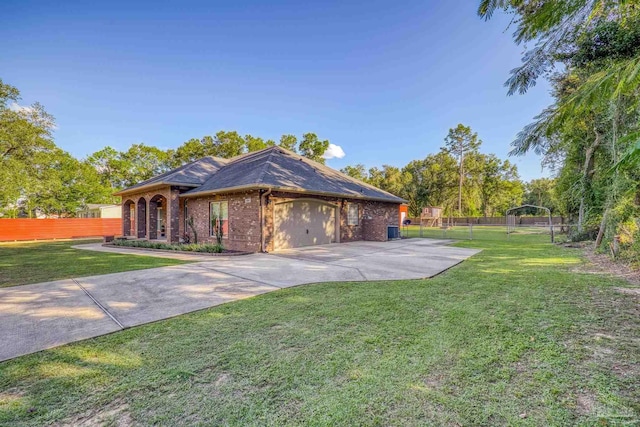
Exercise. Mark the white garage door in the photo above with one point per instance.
(304, 223)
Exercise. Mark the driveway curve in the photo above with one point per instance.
(44, 315)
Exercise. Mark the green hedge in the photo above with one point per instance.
(191, 247)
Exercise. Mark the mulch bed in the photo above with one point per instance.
(226, 252)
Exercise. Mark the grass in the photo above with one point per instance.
(33, 262)
(520, 334)
(480, 232)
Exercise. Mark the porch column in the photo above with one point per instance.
(148, 221)
(136, 214)
(126, 218)
(173, 216)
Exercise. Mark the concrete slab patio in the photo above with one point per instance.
(44, 315)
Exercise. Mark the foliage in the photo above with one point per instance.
(190, 247)
(289, 142)
(36, 177)
(312, 147)
(590, 135)
(490, 185)
(357, 171)
(542, 192)
(459, 142)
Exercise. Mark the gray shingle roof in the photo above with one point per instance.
(280, 169)
(192, 174)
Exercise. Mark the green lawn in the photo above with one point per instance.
(33, 262)
(520, 334)
(482, 232)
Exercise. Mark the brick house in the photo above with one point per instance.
(266, 200)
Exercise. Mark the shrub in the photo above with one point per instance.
(189, 247)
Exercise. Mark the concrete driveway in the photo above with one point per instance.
(44, 315)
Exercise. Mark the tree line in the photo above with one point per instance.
(590, 135)
(459, 178)
(39, 178)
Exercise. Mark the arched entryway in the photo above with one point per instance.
(128, 218)
(142, 218)
(158, 217)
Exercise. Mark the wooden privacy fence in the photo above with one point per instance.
(63, 228)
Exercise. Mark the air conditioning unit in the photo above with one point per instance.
(393, 232)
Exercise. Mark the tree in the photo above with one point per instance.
(358, 172)
(390, 178)
(64, 186)
(110, 167)
(499, 186)
(255, 144)
(289, 142)
(432, 182)
(312, 147)
(541, 192)
(193, 150)
(143, 162)
(228, 144)
(594, 118)
(25, 139)
(460, 141)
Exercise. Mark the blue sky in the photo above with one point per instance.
(383, 80)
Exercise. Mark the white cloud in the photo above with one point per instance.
(14, 106)
(334, 152)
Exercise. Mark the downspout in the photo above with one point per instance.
(263, 203)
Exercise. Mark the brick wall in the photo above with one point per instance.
(244, 220)
(379, 215)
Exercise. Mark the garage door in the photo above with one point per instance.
(304, 223)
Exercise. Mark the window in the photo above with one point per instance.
(219, 210)
(352, 214)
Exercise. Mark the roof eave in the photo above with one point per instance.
(132, 190)
(291, 190)
(224, 190)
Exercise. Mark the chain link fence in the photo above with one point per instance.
(496, 232)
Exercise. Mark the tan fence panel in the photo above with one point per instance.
(63, 228)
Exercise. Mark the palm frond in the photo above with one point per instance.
(631, 157)
(537, 135)
(554, 25)
(488, 7)
(535, 63)
(618, 79)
